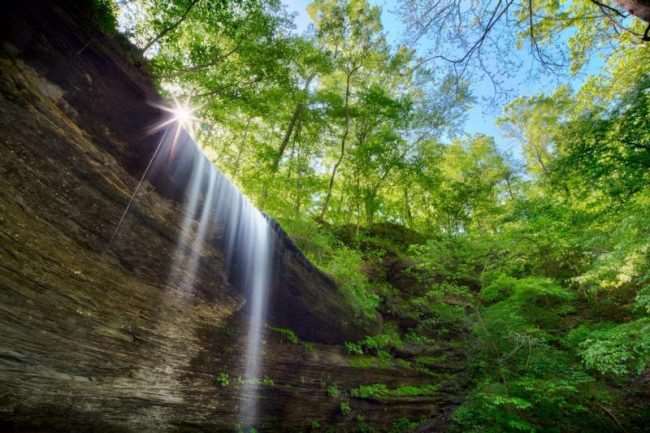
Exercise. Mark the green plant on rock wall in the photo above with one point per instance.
(381, 391)
(333, 391)
(286, 335)
(223, 379)
(344, 408)
(353, 348)
(379, 345)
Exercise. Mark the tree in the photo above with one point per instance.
(481, 38)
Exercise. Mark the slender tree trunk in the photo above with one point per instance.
(509, 187)
(172, 27)
(407, 208)
(358, 207)
(369, 200)
(287, 136)
(293, 125)
(540, 159)
(344, 139)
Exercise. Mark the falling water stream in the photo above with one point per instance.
(211, 203)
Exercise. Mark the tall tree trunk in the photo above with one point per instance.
(287, 136)
(344, 139)
(293, 125)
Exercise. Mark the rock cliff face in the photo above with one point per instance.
(95, 337)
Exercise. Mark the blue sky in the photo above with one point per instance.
(482, 117)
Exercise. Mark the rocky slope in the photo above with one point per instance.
(95, 337)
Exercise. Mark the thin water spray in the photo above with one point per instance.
(247, 239)
(211, 203)
(259, 277)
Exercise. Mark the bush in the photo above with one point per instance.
(499, 290)
(619, 350)
(531, 404)
(642, 300)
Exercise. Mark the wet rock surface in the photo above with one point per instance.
(95, 336)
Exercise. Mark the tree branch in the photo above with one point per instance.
(171, 27)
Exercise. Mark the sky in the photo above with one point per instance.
(481, 118)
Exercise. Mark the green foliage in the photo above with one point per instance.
(380, 391)
(530, 405)
(642, 301)
(381, 343)
(443, 308)
(378, 345)
(333, 391)
(286, 335)
(370, 391)
(618, 350)
(344, 408)
(353, 348)
(610, 149)
(367, 361)
(531, 382)
(223, 379)
(534, 306)
(345, 265)
(498, 290)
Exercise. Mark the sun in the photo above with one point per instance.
(181, 114)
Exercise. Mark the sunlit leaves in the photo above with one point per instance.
(619, 350)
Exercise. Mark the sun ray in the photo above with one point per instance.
(183, 114)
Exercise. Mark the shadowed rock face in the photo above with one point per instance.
(97, 338)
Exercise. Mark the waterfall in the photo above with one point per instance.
(212, 203)
(257, 246)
